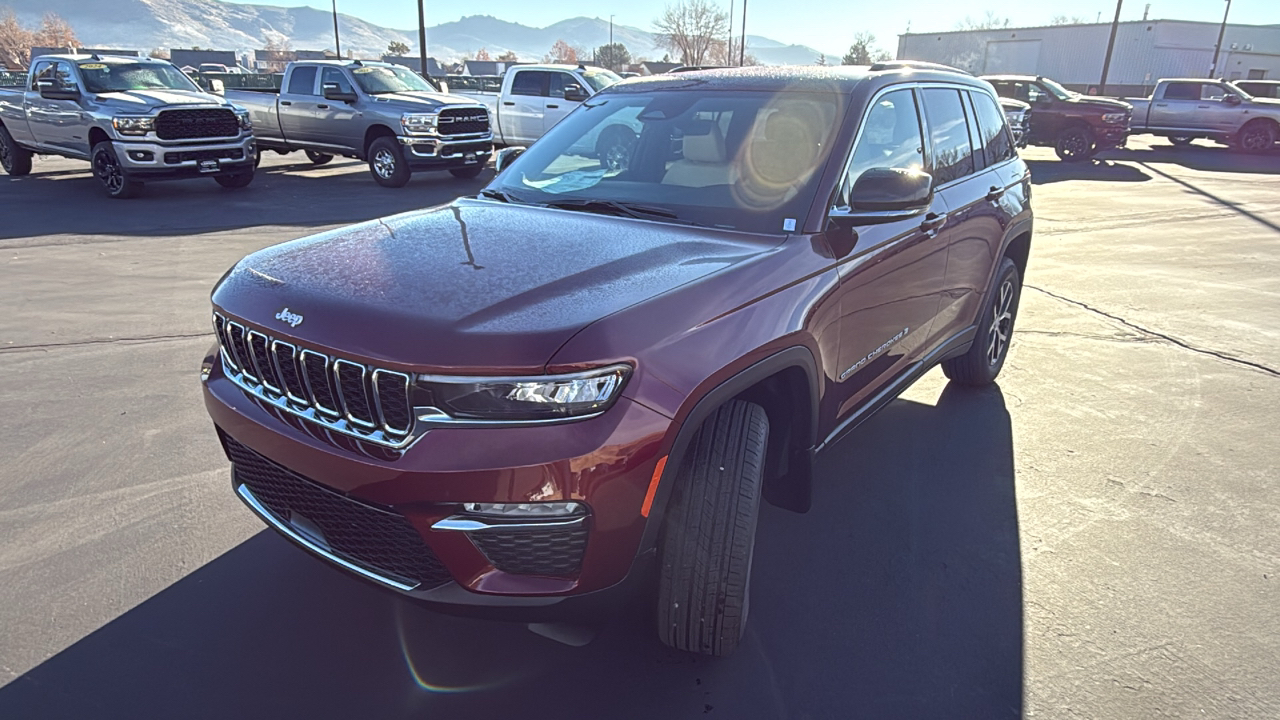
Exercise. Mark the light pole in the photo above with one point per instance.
(610, 30)
(337, 44)
(422, 39)
(728, 49)
(1111, 44)
(1213, 69)
(742, 52)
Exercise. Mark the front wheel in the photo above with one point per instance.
(982, 363)
(15, 159)
(615, 147)
(387, 163)
(467, 173)
(234, 181)
(318, 158)
(1075, 144)
(106, 167)
(1180, 140)
(1258, 136)
(709, 533)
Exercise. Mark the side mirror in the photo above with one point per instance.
(50, 90)
(574, 93)
(505, 156)
(1043, 100)
(891, 193)
(217, 87)
(333, 92)
(1231, 99)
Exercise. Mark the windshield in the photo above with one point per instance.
(1243, 93)
(382, 80)
(1058, 91)
(737, 160)
(100, 77)
(600, 79)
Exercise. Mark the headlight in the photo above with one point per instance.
(126, 125)
(549, 397)
(419, 122)
(1115, 118)
(243, 117)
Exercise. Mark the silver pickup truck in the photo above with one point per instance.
(135, 119)
(386, 115)
(1183, 109)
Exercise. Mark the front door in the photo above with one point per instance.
(557, 107)
(334, 121)
(891, 281)
(56, 123)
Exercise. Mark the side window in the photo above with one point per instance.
(948, 133)
(531, 82)
(337, 77)
(303, 80)
(975, 142)
(1212, 91)
(43, 71)
(559, 80)
(65, 76)
(993, 137)
(890, 137)
(1034, 94)
(1182, 91)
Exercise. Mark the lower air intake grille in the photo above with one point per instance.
(555, 551)
(380, 541)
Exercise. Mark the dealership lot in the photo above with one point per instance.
(1097, 538)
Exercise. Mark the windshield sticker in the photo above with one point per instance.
(361, 71)
(789, 225)
(93, 66)
(568, 182)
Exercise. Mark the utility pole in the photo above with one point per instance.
(1111, 44)
(611, 31)
(337, 44)
(422, 39)
(742, 51)
(1213, 69)
(728, 49)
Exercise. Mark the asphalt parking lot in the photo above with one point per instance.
(1096, 538)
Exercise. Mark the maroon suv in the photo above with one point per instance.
(512, 404)
(1076, 126)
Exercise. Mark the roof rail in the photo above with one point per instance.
(916, 65)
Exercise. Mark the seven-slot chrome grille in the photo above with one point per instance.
(348, 397)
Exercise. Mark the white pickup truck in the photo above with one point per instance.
(1183, 109)
(534, 98)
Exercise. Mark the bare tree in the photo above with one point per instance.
(276, 42)
(863, 50)
(509, 57)
(159, 53)
(15, 40)
(1064, 20)
(693, 29)
(990, 21)
(56, 32)
(562, 52)
(483, 54)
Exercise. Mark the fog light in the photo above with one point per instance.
(551, 509)
(141, 155)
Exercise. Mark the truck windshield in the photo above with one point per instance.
(107, 77)
(382, 80)
(600, 79)
(729, 159)
(1058, 91)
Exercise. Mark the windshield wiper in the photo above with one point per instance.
(612, 207)
(500, 196)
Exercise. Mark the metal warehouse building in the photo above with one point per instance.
(1073, 54)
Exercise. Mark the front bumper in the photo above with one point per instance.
(605, 462)
(432, 152)
(149, 160)
(1112, 136)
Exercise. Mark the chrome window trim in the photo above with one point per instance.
(287, 530)
(925, 150)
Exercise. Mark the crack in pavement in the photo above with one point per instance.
(102, 341)
(1152, 333)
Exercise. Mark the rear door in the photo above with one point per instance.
(298, 100)
(523, 109)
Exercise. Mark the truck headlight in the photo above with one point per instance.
(419, 123)
(127, 125)
(243, 117)
(1115, 118)
(547, 397)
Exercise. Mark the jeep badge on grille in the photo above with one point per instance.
(293, 319)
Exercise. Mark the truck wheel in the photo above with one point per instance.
(234, 181)
(1181, 140)
(709, 532)
(318, 158)
(1258, 136)
(1075, 144)
(387, 163)
(106, 167)
(15, 159)
(615, 146)
(982, 363)
(467, 173)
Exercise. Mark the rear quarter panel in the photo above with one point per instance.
(14, 115)
(263, 112)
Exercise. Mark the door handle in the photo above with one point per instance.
(933, 222)
(286, 102)
(508, 103)
(323, 107)
(994, 194)
(1203, 107)
(552, 107)
(1162, 104)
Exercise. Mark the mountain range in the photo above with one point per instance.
(147, 24)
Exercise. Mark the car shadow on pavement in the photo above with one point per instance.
(898, 596)
(1197, 156)
(284, 193)
(1051, 171)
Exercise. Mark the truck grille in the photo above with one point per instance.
(556, 552)
(352, 398)
(194, 124)
(463, 121)
(380, 541)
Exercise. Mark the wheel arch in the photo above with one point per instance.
(373, 133)
(97, 135)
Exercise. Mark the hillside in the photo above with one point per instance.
(146, 24)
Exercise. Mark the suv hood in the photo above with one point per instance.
(475, 286)
(144, 100)
(411, 101)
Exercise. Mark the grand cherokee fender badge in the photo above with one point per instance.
(293, 319)
(872, 355)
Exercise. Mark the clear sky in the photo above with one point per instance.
(827, 25)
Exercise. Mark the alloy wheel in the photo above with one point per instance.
(1256, 139)
(6, 159)
(384, 163)
(1075, 145)
(1001, 323)
(617, 157)
(108, 171)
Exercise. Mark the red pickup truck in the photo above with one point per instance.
(516, 403)
(1076, 126)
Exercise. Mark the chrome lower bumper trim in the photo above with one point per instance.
(466, 523)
